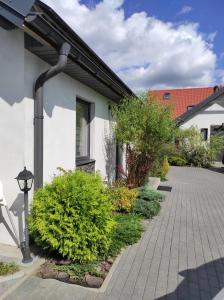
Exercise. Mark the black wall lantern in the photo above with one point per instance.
(25, 182)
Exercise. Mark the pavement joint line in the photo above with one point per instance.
(103, 287)
(27, 272)
(14, 276)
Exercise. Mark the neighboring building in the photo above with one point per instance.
(207, 116)
(182, 100)
(76, 115)
(199, 107)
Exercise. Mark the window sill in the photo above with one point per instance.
(84, 161)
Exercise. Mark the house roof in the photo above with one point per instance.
(45, 32)
(202, 105)
(181, 99)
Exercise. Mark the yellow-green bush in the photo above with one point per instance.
(73, 216)
(165, 167)
(123, 199)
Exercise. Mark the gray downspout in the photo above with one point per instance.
(39, 115)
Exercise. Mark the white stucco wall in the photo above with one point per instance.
(212, 115)
(12, 125)
(18, 72)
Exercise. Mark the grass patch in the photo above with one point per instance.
(8, 268)
(126, 232)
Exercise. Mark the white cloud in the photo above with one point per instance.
(146, 52)
(185, 10)
(211, 37)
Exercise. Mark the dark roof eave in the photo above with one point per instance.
(55, 35)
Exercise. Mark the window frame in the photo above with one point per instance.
(203, 131)
(82, 159)
(190, 107)
(166, 96)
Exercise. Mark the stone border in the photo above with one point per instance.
(109, 275)
(16, 275)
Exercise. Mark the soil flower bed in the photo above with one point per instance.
(90, 274)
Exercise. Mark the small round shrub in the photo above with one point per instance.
(123, 199)
(147, 209)
(177, 161)
(145, 193)
(73, 216)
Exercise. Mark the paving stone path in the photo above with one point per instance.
(180, 255)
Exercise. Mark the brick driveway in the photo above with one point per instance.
(180, 255)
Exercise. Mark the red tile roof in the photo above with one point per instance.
(182, 98)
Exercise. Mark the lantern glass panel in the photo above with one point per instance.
(29, 183)
(21, 184)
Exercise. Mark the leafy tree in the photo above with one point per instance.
(144, 126)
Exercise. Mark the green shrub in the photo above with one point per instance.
(122, 198)
(160, 168)
(195, 150)
(167, 150)
(7, 268)
(73, 216)
(156, 169)
(177, 161)
(216, 145)
(147, 209)
(126, 232)
(145, 193)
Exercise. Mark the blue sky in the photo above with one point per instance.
(208, 13)
(153, 44)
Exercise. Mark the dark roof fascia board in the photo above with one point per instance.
(195, 110)
(54, 30)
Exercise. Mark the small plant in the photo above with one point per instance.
(126, 232)
(73, 216)
(8, 268)
(145, 193)
(165, 167)
(177, 161)
(79, 270)
(123, 199)
(147, 209)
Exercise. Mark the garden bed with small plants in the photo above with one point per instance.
(8, 268)
(83, 225)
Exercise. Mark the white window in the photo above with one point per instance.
(82, 130)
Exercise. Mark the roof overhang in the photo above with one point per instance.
(45, 32)
(13, 12)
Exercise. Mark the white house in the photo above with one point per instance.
(207, 116)
(55, 103)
